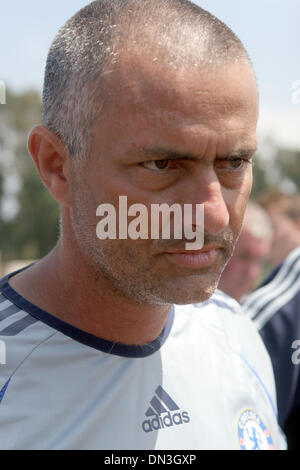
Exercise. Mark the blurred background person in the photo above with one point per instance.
(275, 309)
(251, 252)
(284, 212)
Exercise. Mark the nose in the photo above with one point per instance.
(216, 215)
(208, 191)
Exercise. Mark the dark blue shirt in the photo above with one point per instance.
(275, 309)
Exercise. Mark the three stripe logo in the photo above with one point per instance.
(7, 310)
(164, 412)
(160, 406)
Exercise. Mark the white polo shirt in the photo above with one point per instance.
(205, 383)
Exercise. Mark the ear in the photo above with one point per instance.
(53, 162)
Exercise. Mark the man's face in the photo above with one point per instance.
(245, 266)
(169, 136)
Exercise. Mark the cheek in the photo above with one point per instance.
(236, 211)
(237, 199)
(246, 187)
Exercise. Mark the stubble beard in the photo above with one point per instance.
(128, 268)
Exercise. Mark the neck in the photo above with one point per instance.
(66, 286)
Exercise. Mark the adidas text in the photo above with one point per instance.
(168, 420)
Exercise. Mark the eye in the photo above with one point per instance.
(235, 163)
(159, 165)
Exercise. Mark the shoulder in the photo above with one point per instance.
(242, 334)
(278, 296)
(20, 333)
(222, 301)
(229, 326)
(224, 313)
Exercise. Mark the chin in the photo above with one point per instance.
(186, 296)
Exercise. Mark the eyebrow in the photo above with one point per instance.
(247, 152)
(168, 154)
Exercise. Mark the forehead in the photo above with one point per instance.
(196, 86)
(149, 97)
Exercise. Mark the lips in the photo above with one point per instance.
(205, 249)
(194, 259)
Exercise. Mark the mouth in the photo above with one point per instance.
(195, 259)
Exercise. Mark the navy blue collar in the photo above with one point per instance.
(109, 347)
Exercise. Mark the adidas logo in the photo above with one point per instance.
(161, 407)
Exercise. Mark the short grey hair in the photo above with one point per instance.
(87, 47)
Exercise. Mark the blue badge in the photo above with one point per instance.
(253, 434)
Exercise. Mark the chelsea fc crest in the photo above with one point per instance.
(253, 434)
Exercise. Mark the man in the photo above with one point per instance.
(275, 309)
(155, 101)
(284, 212)
(250, 253)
